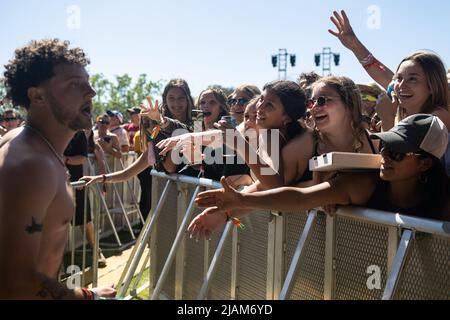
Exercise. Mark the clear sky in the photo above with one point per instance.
(227, 42)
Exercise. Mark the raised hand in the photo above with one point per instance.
(344, 30)
(203, 225)
(223, 199)
(153, 111)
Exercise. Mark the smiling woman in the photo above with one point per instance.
(411, 181)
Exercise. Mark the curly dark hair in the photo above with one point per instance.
(34, 64)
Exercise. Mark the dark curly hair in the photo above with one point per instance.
(34, 64)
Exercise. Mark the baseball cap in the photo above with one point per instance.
(134, 110)
(419, 132)
(115, 113)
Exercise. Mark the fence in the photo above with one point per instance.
(358, 254)
(111, 212)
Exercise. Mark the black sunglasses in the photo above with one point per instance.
(321, 101)
(240, 101)
(103, 122)
(9, 119)
(396, 156)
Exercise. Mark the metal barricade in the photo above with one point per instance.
(358, 254)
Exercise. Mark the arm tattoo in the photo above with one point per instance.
(52, 289)
(35, 227)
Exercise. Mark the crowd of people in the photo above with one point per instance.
(256, 141)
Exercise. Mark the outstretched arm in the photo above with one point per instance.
(379, 72)
(123, 175)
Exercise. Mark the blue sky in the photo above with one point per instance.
(223, 42)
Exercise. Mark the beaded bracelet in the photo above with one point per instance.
(236, 221)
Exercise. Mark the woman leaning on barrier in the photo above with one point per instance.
(411, 181)
(155, 124)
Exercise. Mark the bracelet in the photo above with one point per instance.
(236, 221)
(374, 63)
(87, 294)
(367, 59)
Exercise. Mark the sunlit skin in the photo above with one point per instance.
(237, 110)
(330, 117)
(210, 108)
(409, 169)
(270, 112)
(411, 87)
(177, 104)
(250, 117)
(69, 95)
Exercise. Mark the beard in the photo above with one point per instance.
(74, 123)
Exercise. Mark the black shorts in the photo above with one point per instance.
(79, 208)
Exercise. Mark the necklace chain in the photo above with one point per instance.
(48, 144)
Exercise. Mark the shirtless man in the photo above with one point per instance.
(36, 201)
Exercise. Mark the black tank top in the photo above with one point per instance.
(380, 201)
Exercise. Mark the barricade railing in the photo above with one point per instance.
(359, 253)
(75, 268)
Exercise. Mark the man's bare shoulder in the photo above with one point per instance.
(23, 164)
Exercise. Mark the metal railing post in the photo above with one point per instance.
(180, 234)
(397, 266)
(139, 247)
(330, 258)
(215, 261)
(297, 258)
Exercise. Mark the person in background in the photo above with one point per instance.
(75, 157)
(116, 120)
(11, 119)
(106, 140)
(239, 98)
(133, 126)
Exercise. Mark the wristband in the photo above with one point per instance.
(236, 221)
(87, 294)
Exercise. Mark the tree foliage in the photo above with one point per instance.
(122, 93)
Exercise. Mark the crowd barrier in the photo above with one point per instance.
(357, 254)
(112, 211)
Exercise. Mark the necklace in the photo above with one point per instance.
(50, 147)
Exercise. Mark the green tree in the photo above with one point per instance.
(122, 93)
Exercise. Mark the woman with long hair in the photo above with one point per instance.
(419, 83)
(155, 124)
(411, 181)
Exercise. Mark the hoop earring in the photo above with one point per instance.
(423, 179)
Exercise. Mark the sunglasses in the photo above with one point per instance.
(321, 101)
(397, 156)
(9, 119)
(103, 122)
(368, 97)
(240, 101)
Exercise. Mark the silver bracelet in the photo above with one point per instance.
(367, 60)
